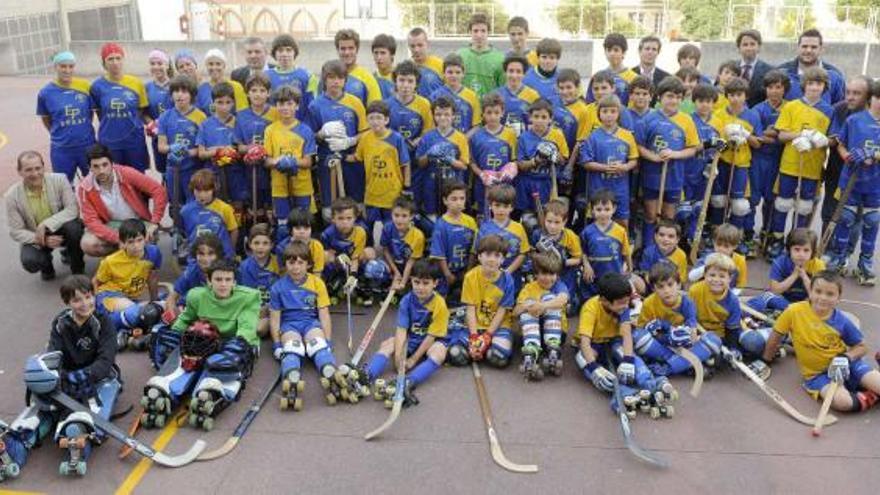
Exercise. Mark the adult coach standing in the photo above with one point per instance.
(430, 66)
(748, 44)
(42, 215)
(359, 82)
(649, 49)
(483, 64)
(257, 60)
(809, 55)
(66, 109)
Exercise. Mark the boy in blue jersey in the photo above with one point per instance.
(739, 127)
(695, 171)
(384, 48)
(602, 85)
(250, 132)
(216, 141)
(615, 46)
(66, 108)
(467, 103)
(517, 96)
(178, 129)
(668, 320)
(570, 115)
(664, 249)
(300, 224)
(402, 244)
(493, 149)
(452, 240)
(489, 294)
(541, 155)
(828, 347)
(206, 249)
(518, 33)
(337, 118)
(206, 213)
(419, 342)
(344, 244)
(666, 139)
(608, 156)
(860, 144)
(501, 198)
(285, 52)
(765, 158)
(260, 270)
(641, 92)
(410, 112)
(299, 321)
(443, 154)
(555, 239)
(122, 278)
(605, 244)
(542, 77)
(540, 307)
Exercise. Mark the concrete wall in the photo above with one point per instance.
(848, 57)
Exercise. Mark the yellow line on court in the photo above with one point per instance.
(19, 492)
(3, 141)
(140, 470)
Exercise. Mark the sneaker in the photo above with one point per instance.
(65, 257)
(866, 277)
(47, 275)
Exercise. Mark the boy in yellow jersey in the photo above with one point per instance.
(122, 279)
(452, 240)
(384, 48)
(664, 249)
(725, 239)
(344, 244)
(290, 145)
(358, 82)
(385, 156)
(430, 66)
(489, 294)
(206, 213)
(740, 127)
(828, 347)
(501, 198)
(802, 125)
(540, 307)
(402, 243)
(605, 337)
(727, 72)
(555, 239)
(668, 320)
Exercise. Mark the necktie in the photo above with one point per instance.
(747, 72)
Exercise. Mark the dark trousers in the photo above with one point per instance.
(36, 258)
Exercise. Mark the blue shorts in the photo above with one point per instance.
(857, 371)
(301, 327)
(786, 187)
(738, 188)
(184, 193)
(670, 196)
(68, 160)
(134, 155)
(526, 186)
(652, 171)
(619, 185)
(865, 200)
(375, 214)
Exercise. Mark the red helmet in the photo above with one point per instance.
(199, 341)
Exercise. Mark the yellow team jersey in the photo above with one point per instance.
(318, 256)
(415, 239)
(743, 154)
(592, 117)
(126, 274)
(296, 140)
(460, 141)
(383, 158)
(816, 341)
(226, 212)
(715, 313)
(434, 63)
(742, 270)
(422, 107)
(532, 57)
(374, 93)
(315, 284)
(653, 308)
(488, 296)
(680, 260)
(597, 324)
(555, 136)
(533, 292)
(579, 109)
(796, 116)
(721, 103)
(358, 238)
(571, 243)
(135, 84)
(437, 319)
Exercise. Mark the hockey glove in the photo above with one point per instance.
(838, 370)
(714, 143)
(802, 144)
(680, 336)
(818, 139)
(177, 152)
(225, 156)
(341, 143)
(508, 172)
(547, 151)
(441, 154)
(152, 129)
(626, 371)
(287, 164)
(77, 385)
(602, 378)
(478, 344)
(277, 350)
(333, 129)
(255, 155)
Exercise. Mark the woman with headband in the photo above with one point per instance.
(159, 99)
(122, 109)
(67, 109)
(215, 66)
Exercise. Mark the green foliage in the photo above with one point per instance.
(574, 15)
(704, 20)
(451, 16)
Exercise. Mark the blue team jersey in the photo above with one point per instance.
(250, 127)
(782, 268)
(527, 147)
(513, 233)
(256, 276)
(633, 118)
(466, 115)
(214, 132)
(452, 241)
(159, 98)
(298, 302)
(835, 89)
(430, 80)
(198, 219)
(70, 110)
(768, 117)
(516, 105)
(606, 148)
(658, 131)
(119, 110)
(179, 128)
(333, 240)
(862, 130)
(421, 319)
(491, 151)
(402, 247)
(346, 108)
(192, 277)
(567, 122)
(386, 85)
(454, 142)
(606, 250)
(406, 120)
(298, 78)
(545, 86)
(694, 166)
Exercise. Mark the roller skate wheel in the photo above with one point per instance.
(522, 368)
(673, 396)
(12, 470)
(558, 367)
(208, 424)
(145, 418)
(631, 414)
(145, 402)
(64, 469)
(670, 411)
(331, 399)
(344, 395)
(208, 407)
(194, 404)
(325, 383)
(193, 419)
(81, 468)
(363, 391)
(353, 398)
(659, 398)
(284, 403)
(160, 403)
(389, 403)
(297, 404)
(655, 412)
(159, 421)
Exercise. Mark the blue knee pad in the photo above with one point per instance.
(126, 318)
(754, 341)
(647, 346)
(318, 350)
(531, 329)
(870, 226)
(164, 340)
(707, 347)
(644, 376)
(768, 301)
(292, 354)
(848, 218)
(497, 354)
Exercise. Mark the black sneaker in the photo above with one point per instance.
(47, 275)
(65, 257)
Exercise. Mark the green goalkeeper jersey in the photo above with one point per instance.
(234, 316)
(483, 70)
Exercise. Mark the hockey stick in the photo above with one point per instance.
(243, 425)
(697, 365)
(756, 314)
(554, 186)
(395, 409)
(662, 187)
(350, 284)
(494, 445)
(835, 216)
(797, 199)
(771, 392)
(176, 235)
(727, 200)
(826, 405)
(626, 429)
(539, 208)
(113, 431)
(365, 341)
(339, 178)
(701, 220)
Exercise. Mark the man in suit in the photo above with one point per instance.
(42, 215)
(257, 60)
(748, 44)
(649, 49)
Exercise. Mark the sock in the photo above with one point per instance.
(377, 365)
(423, 371)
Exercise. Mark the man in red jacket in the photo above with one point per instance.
(112, 193)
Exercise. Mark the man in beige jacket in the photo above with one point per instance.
(42, 214)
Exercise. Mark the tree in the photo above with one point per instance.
(708, 20)
(574, 16)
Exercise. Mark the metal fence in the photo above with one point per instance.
(836, 22)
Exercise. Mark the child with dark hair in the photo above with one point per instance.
(260, 269)
(208, 214)
(541, 309)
